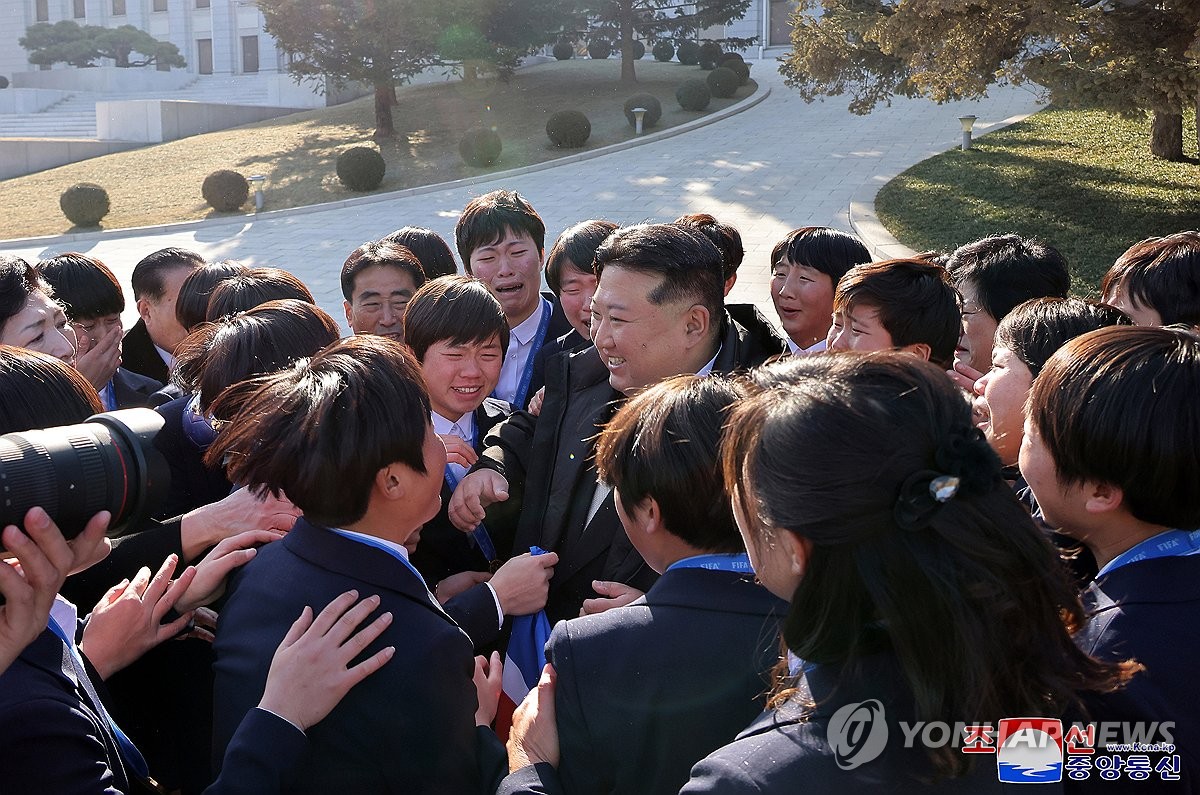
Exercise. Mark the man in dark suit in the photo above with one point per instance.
(647, 690)
(365, 488)
(658, 311)
(149, 347)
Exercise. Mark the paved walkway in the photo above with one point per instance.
(780, 165)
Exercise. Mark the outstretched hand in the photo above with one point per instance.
(475, 492)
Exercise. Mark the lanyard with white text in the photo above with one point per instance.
(1171, 544)
(738, 563)
(520, 399)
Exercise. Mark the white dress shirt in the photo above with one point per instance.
(520, 348)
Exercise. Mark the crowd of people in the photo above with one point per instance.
(949, 492)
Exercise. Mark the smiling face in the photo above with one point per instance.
(641, 342)
(459, 377)
(857, 328)
(512, 269)
(381, 293)
(575, 297)
(1003, 390)
(40, 326)
(803, 299)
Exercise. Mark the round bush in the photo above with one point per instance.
(225, 190)
(568, 129)
(84, 204)
(693, 95)
(722, 82)
(3, 81)
(480, 147)
(741, 69)
(710, 51)
(563, 51)
(688, 53)
(663, 51)
(639, 50)
(730, 56)
(361, 168)
(650, 103)
(599, 49)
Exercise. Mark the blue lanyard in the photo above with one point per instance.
(1171, 544)
(520, 399)
(738, 562)
(108, 396)
(370, 542)
(129, 752)
(480, 535)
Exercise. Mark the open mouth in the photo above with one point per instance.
(510, 289)
(466, 390)
(614, 361)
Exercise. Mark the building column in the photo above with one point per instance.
(224, 37)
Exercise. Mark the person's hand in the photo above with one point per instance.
(127, 621)
(475, 492)
(489, 681)
(964, 375)
(534, 735)
(209, 583)
(101, 359)
(458, 451)
(455, 584)
(239, 512)
(523, 582)
(613, 594)
(308, 675)
(535, 403)
(29, 583)
(202, 627)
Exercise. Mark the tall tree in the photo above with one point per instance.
(69, 42)
(380, 42)
(504, 31)
(1129, 56)
(662, 19)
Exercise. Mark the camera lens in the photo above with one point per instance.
(108, 463)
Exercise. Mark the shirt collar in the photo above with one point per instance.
(392, 545)
(524, 331)
(707, 369)
(167, 358)
(443, 426)
(65, 614)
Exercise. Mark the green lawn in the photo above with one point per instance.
(1083, 181)
(161, 184)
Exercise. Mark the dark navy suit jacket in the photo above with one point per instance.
(410, 727)
(139, 355)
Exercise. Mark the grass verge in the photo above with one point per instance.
(1083, 181)
(161, 184)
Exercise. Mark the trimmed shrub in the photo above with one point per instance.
(84, 204)
(563, 51)
(663, 51)
(688, 53)
(730, 56)
(225, 190)
(693, 95)
(568, 129)
(710, 51)
(639, 50)
(650, 103)
(480, 147)
(3, 81)
(722, 82)
(361, 168)
(599, 48)
(741, 69)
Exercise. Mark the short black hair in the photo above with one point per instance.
(1039, 327)
(689, 264)
(429, 247)
(725, 237)
(485, 219)
(823, 249)
(457, 308)
(380, 254)
(322, 429)
(191, 307)
(576, 245)
(255, 286)
(84, 286)
(1162, 273)
(1008, 270)
(17, 280)
(149, 274)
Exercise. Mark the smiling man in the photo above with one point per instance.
(501, 240)
(378, 281)
(657, 312)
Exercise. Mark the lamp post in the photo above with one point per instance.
(967, 122)
(257, 183)
(638, 115)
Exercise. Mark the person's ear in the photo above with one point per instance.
(1102, 498)
(390, 483)
(732, 280)
(349, 316)
(918, 349)
(798, 549)
(647, 515)
(143, 307)
(698, 322)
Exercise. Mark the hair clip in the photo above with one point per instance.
(944, 487)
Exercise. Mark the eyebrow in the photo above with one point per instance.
(376, 294)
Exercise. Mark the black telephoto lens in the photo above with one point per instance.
(108, 463)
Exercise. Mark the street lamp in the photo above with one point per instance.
(967, 122)
(638, 115)
(257, 182)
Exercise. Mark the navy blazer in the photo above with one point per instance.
(647, 690)
(410, 727)
(139, 355)
(132, 390)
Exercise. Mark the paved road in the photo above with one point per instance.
(779, 165)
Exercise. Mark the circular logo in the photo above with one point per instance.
(857, 733)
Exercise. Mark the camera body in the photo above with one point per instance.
(107, 463)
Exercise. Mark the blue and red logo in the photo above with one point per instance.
(1029, 750)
